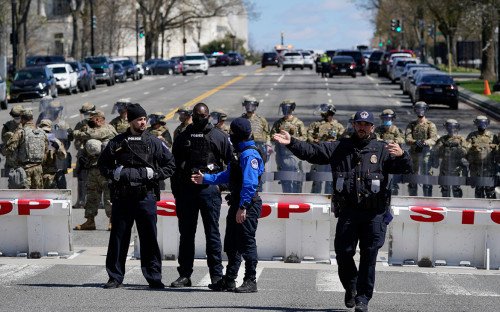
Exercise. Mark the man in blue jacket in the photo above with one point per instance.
(242, 174)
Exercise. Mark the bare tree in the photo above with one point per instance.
(76, 8)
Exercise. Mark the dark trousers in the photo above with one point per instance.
(240, 241)
(191, 200)
(369, 231)
(125, 212)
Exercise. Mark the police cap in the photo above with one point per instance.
(364, 116)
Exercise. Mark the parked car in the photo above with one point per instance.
(147, 65)
(212, 59)
(392, 57)
(33, 82)
(408, 72)
(223, 60)
(195, 62)
(140, 70)
(308, 59)
(373, 62)
(119, 71)
(270, 59)
(3, 93)
(66, 77)
(163, 68)
(103, 69)
(129, 67)
(91, 75)
(435, 87)
(236, 58)
(343, 65)
(358, 58)
(399, 66)
(38, 60)
(177, 61)
(292, 60)
(83, 82)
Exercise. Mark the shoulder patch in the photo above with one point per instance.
(254, 163)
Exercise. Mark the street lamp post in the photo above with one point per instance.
(282, 38)
(14, 35)
(137, 6)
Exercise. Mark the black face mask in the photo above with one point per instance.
(200, 122)
(91, 124)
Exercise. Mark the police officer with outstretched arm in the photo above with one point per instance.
(201, 147)
(245, 205)
(360, 167)
(135, 161)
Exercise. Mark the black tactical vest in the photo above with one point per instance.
(199, 153)
(132, 148)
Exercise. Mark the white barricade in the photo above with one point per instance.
(296, 224)
(447, 231)
(35, 221)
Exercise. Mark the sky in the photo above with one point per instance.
(309, 24)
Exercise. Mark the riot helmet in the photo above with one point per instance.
(184, 114)
(157, 118)
(452, 126)
(250, 104)
(420, 108)
(217, 116)
(15, 111)
(86, 109)
(481, 122)
(45, 125)
(287, 107)
(326, 110)
(120, 106)
(387, 116)
(93, 147)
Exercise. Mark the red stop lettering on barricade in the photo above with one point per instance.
(168, 208)
(427, 214)
(5, 207)
(266, 210)
(26, 205)
(284, 209)
(468, 216)
(495, 217)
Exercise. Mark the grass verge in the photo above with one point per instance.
(477, 86)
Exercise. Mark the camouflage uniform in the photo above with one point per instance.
(451, 149)
(480, 155)
(391, 135)
(8, 130)
(421, 158)
(34, 171)
(55, 153)
(260, 131)
(162, 133)
(285, 160)
(223, 127)
(323, 131)
(121, 125)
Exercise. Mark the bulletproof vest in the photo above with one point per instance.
(480, 149)
(236, 173)
(135, 151)
(453, 148)
(290, 126)
(419, 131)
(257, 128)
(32, 148)
(200, 156)
(327, 131)
(387, 134)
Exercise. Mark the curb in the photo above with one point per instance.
(479, 101)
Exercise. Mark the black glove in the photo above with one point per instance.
(54, 144)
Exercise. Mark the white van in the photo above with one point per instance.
(66, 77)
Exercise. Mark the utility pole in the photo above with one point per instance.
(14, 36)
(183, 35)
(496, 87)
(282, 38)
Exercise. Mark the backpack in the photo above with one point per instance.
(17, 179)
(32, 148)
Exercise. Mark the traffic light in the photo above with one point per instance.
(380, 44)
(393, 24)
(141, 32)
(398, 26)
(94, 22)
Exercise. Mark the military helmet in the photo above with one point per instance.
(481, 122)
(250, 99)
(420, 104)
(87, 108)
(452, 126)
(287, 107)
(217, 116)
(389, 113)
(326, 109)
(157, 117)
(93, 147)
(26, 112)
(15, 111)
(45, 125)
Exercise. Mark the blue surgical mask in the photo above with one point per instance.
(387, 123)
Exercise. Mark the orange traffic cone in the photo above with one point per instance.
(486, 88)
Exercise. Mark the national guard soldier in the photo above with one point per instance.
(8, 130)
(29, 145)
(421, 135)
(481, 144)
(349, 129)
(325, 130)
(95, 129)
(97, 186)
(451, 148)
(260, 126)
(218, 119)
(390, 133)
(284, 158)
(134, 162)
(81, 173)
(120, 122)
(158, 128)
(185, 117)
(201, 147)
(53, 174)
(360, 166)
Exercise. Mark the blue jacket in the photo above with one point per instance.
(252, 167)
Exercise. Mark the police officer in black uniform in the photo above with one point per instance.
(199, 148)
(360, 166)
(135, 161)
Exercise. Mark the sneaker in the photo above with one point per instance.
(361, 307)
(112, 283)
(349, 298)
(224, 284)
(181, 282)
(156, 285)
(248, 286)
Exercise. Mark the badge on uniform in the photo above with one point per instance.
(373, 159)
(255, 163)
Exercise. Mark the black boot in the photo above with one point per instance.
(248, 286)
(349, 298)
(224, 284)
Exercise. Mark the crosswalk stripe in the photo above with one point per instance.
(328, 281)
(10, 273)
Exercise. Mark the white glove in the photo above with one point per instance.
(116, 173)
(150, 173)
